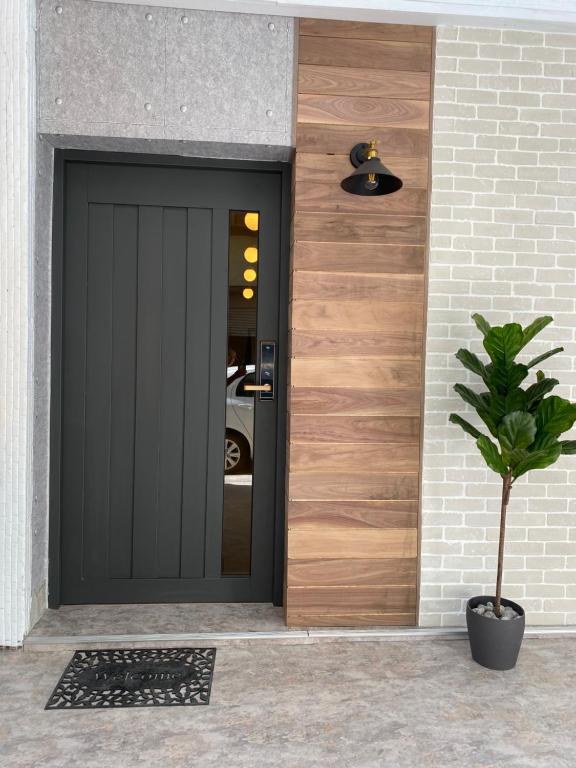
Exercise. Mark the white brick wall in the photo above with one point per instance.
(503, 243)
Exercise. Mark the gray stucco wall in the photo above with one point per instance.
(149, 73)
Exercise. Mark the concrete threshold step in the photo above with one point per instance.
(288, 636)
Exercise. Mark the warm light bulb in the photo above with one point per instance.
(251, 255)
(248, 293)
(251, 221)
(249, 275)
(371, 182)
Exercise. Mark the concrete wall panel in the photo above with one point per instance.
(141, 72)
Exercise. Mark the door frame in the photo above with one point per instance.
(61, 158)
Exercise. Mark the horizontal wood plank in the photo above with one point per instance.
(343, 402)
(365, 30)
(359, 228)
(339, 139)
(353, 619)
(352, 514)
(352, 485)
(352, 81)
(314, 196)
(348, 343)
(396, 599)
(331, 169)
(390, 316)
(348, 544)
(359, 257)
(351, 372)
(357, 287)
(362, 111)
(325, 573)
(312, 428)
(354, 457)
(368, 54)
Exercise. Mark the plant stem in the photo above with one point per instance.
(506, 486)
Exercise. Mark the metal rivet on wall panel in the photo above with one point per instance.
(272, 27)
(184, 19)
(148, 17)
(59, 9)
(269, 113)
(147, 106)
(183, 108)
(58, 100)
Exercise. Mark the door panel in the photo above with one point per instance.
(144, 372)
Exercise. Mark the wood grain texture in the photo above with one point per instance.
(365, 31)
(396, 599)
(362, 110)
(351, 372)
(312, 428)
(365, 54)
(349, 402)
(386, 513)
(339, 139)
(352, 81)
(356, 544)
(352, 619)
(360, 228)
(359, 258)
(328, 287)
(314, 196)
(357, 327)
(352, 573)
(351, 344)
(355, 457)
(331, 169)
(352, 485)
(372, 315)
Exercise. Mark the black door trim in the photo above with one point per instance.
(63, 156)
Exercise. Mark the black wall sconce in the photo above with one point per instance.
(370, 176)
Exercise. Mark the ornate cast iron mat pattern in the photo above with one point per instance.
(135, 678)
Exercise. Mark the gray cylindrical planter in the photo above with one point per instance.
(494, 643)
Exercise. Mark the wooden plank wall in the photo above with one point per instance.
(357, 327)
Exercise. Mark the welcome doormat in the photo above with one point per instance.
(137, 678)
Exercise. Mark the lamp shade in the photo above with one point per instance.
(371, 178)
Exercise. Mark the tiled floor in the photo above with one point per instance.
(166, 618)
(337, 705)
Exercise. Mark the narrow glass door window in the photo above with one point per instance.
(240, 401)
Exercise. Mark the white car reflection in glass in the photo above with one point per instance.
(239, 420)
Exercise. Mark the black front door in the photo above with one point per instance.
(168, 402)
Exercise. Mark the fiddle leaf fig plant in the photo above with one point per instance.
(524, 423)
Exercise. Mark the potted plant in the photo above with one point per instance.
(525, 424)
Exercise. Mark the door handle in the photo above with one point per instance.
(258, 388)
(267, 371)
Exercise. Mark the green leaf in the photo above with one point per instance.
(503, 378)
(536, 392)
(517, 430)
(545, 356)
(470, 397)
(489, 451)
(538, 460)
(515, 401)
(568, 447)
(555, 415)
(481, 323)
(466, 426)
(472, 362)
(540, 376)
(534, 328)
(503, 343)
(478, 402)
